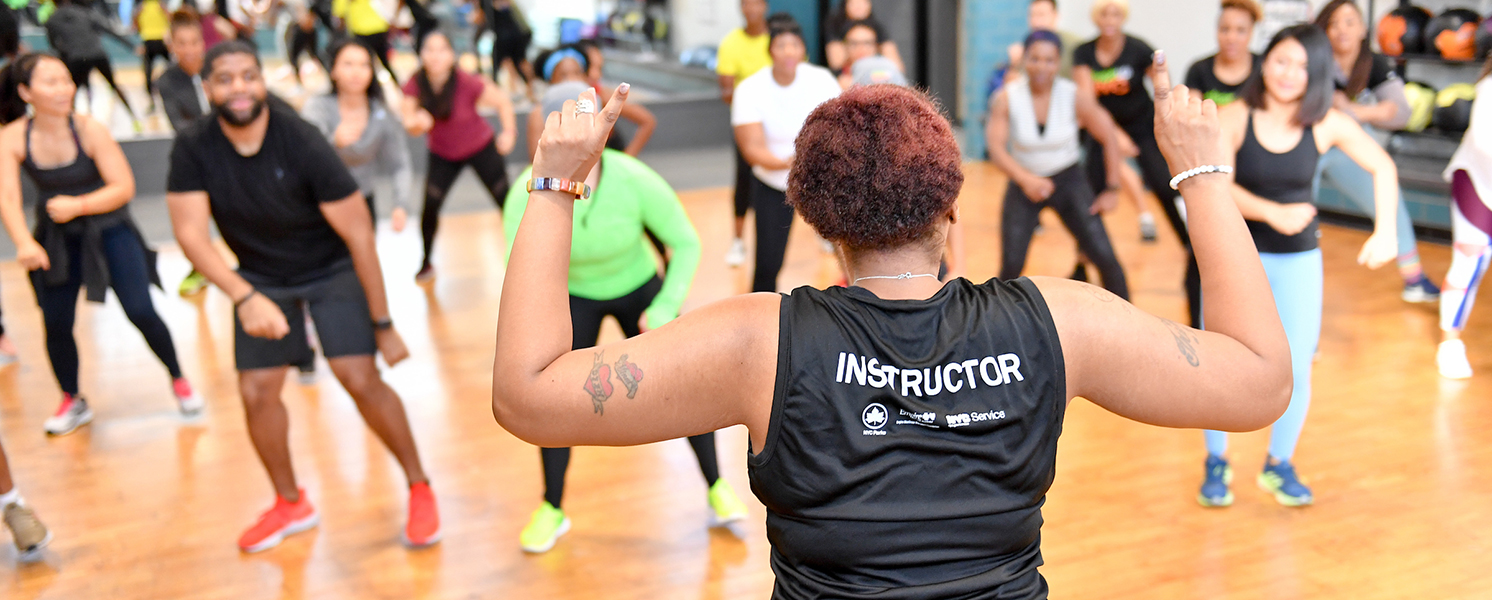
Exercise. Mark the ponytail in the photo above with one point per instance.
(18, 72)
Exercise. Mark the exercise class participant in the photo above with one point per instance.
(74, 31)
(362, 127)
(292, 214)
(1283, 125)
(1113, 67)
(1221, 76)
(1043, 161)
(569, 70)
(363, 21)
(838, 22)
(612, 273)
(767, 111)
(903, 431)
(85, 237)
(1470, 174)
(440, 102)
(301, 37)
(152, 23)
(1370, 91)
(742, 53)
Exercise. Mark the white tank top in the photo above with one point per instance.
(1049, 151)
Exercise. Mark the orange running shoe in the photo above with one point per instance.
(424, 518)
(285, 518)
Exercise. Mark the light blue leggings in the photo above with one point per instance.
(1295, 280)
(1357, 185)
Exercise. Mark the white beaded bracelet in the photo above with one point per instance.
(1185, 175)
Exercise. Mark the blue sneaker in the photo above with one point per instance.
(1421, 291)
(1215, 492)
(1280, 479)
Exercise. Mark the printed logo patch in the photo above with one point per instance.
(875, 418)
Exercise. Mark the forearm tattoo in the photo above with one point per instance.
(630, 374)
(598, 383)
(1186, 341)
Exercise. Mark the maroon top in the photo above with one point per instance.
(465, 132)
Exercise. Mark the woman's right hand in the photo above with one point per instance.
(1037, 189)
(1291, 219)
(32, 256)
(420, 123)
(1186, 127)
(261, 318)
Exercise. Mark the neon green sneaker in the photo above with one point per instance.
(193, 284)
(727, 507)
(544, 528)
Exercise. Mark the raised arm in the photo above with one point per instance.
(646, 123)
(1341, 131)
(1233, 377)
(495, 98)
(712, 368)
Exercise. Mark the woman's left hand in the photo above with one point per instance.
(1379, 250)
(64, 208)
(572, 143)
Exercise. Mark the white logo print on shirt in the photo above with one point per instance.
(875, 417)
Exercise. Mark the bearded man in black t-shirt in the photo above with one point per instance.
(303, 235)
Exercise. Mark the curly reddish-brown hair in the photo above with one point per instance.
(876, 168)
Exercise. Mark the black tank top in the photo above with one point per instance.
(1282, 178)
(912, 443)
(81, 176)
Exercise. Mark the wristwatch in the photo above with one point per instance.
(383, 324)
(555, 184)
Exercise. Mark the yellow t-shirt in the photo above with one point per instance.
(742, 55)
(360, 16)
(153, 21)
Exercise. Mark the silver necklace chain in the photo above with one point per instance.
(907, 275)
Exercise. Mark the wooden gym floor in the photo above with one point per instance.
(146, 506)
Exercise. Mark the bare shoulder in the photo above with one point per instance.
(13, 139)
(93, 134)
(1065, 297)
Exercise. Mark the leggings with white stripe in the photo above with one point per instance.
(1296, 281)
(1471, 230)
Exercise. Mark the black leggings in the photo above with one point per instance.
(1157, 176)
(744, 180)
(442, 173)
(303, 42)
(774, 223)
(153, 49)
(129, 276)
(585, 323)
(424, 22)
(378, 44)
(82, 68)
(1072, 200)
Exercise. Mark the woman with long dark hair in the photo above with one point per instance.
(440, 102)
(903, 430)
(1279, 131)
(85, 237)
(1470, 175)
(363, 128)
(1369, 90)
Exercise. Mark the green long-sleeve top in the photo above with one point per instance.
(609, 257)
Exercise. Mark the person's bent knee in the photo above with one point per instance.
(357, 374)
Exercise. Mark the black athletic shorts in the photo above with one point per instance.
(339, 309)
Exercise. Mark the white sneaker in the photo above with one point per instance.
(187, 399)
(736, 256)
(71, 414)
(1451, 358)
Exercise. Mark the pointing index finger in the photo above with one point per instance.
(1161, 77)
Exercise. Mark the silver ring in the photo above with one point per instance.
(584, 107)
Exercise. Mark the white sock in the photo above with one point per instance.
(11, 497)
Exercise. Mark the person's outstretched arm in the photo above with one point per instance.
(1344, 133)
(1233, 377)
(712, 368)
